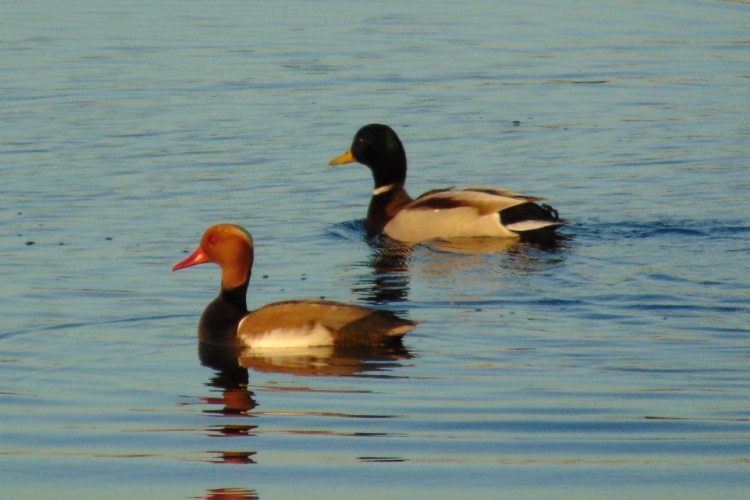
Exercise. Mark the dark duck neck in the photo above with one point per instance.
(218, 324)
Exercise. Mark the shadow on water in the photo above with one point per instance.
(390, 260)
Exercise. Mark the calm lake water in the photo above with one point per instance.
(615, 365)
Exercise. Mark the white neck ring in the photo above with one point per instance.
(382, 189)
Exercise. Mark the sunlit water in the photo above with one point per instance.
(615, 364)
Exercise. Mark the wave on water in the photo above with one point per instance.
(71, 325)
(663, 227)
(348, 230)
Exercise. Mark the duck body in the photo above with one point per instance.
(226, 321)
(439, 213)
(299, 324)
(465, 213)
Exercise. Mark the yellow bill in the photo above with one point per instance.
(343, 159)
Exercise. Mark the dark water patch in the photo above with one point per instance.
(79, 325)
(692, 308)
(666, 417)
(641, 428)
(24, 151)
(671, 278)
(332, 415)
(664, 370)
(510, 412)
(557, 303)
(722, 332)
(689, 228)
(14, 394)
(381, 460)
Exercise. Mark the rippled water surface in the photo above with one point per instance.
(615, 364)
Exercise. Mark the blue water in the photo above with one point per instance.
(615, 365)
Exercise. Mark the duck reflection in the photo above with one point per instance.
(338, 361)
(234, 457)
(518, 257)
(230, 494)
(231, 377)
(390, 261)
(389, 282)
(235, 401)
(232, 364)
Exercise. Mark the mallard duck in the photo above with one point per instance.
(289, 324)
(439, 213)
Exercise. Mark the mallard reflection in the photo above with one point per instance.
(468, 255)
(393, 263)
(389, 281)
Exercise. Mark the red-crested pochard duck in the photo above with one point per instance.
(439, 213)
(289, 324)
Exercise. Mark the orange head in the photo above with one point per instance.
(229, 246)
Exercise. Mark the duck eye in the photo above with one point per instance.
(213, 239)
